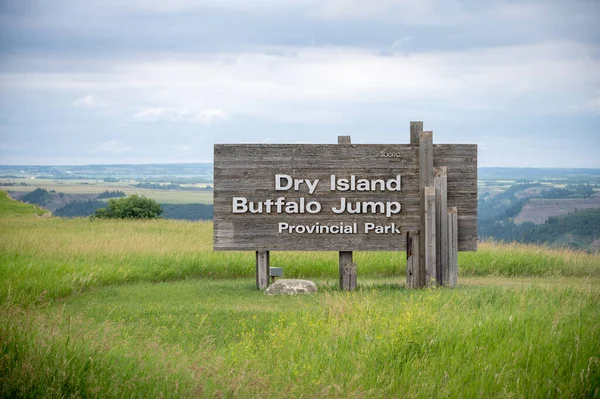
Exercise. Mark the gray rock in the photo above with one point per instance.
(291, 287)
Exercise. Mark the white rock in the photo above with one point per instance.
(291, 287)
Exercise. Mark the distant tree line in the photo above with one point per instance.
(535, 174)
(571, 191)
(576, 230)
(12, 184)
(61, 177)
(188, 211)
(111, 194)
(177, 179)
(39, 196)
(504, 205)
(79, 208)
(159, 186)
(120, 206)
(170, 186)
(170, 211)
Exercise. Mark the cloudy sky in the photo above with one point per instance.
(152, 81)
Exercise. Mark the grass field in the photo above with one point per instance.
(146, 309)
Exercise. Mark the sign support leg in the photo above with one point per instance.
(262, 269)
(441, 224)
(452, 247)
(430, 236)
(345, 259)
(414, 271)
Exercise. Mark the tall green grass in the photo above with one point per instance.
(224, 339)
(46, 258)
(147, 309)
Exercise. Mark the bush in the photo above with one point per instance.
(133, 207)
(39, 196)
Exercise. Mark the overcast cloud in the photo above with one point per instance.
(149, 81)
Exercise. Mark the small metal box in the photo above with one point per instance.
(275, 271)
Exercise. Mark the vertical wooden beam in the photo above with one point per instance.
(416, 128)
(262, 269)
(426, 159)
(345, 257)
(415, 276)
(440, 182)
(349, 278)
(428, 210)
(425, 180)
(452, 247)
(344, 140)
(415, 273)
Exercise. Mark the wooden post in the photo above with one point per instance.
(426, 159)
(428, 208)
(345, 257)
(344, 140)
(440, 182)
(415, 273)
(416, 128)
(452, 247)
(262, 269)
(415, 276)
(425, 180)
(349, 278)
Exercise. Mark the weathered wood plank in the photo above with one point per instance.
(232, 238)
(452, 247)
(262, 269)
(248, 170)
(461, 189)
(345, 257)
(344, 140)
(415, 275)
(416, 128)
(429, 232)
(441, 211)
(375, 155)
(425, 180)
(426, 155)
(349, 277)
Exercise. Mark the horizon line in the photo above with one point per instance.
(211, 162)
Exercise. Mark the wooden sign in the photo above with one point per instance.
(339, 197)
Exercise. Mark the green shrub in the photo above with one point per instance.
(132, 207)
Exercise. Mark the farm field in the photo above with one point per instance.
(147, 309)
(86, 188)
(539, 210)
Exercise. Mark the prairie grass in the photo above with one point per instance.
(147, 309)
(46, 258)
(221, 338)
